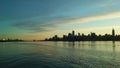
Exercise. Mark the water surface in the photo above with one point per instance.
(96, 54)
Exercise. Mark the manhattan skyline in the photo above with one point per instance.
(82, 37)
(40, 19)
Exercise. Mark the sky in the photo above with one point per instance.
(40, 19)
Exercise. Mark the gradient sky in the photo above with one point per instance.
(39, 19)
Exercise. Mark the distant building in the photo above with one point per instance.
(113, 32)
(73, 36)
(79, 34)
(69, 34)
(73, 33)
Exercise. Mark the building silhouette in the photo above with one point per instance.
(113, 32)
(11, 40)
(82, 37)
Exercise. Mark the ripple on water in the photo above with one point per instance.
(55, 55)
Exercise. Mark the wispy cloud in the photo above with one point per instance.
(35, 26)
(97, 29)
(39, 25)
(52, 25)
(93, 18)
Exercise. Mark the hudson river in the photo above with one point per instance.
(86, 54)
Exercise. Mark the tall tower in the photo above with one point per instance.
(73, 33)
(78, 34)
(113, 32)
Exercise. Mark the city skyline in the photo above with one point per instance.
(82, 37)
(40, 19)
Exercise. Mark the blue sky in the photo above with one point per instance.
(38, 19)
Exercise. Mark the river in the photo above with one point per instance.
(45, 54)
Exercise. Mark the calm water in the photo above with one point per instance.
(60, 55)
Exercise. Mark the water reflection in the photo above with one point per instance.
(72, 44)
(113, 43)
(93, 45)
(64, 44)
(3, 44)
(96, 48)
(79, 44)
(114, 53)
(55, 43)
(94, 54)
(68, 44)
(82, 44)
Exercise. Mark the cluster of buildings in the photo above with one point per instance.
(82, 37)
(10, 40)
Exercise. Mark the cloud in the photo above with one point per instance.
(97, 28)
(36, 24)
(93, 18)
(34, 27)
(51, 25)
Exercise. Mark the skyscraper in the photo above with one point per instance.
(73, 33)
(113, 32)
(73, 36)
